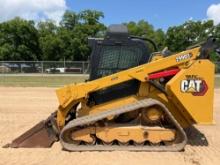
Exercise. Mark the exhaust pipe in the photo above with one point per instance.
(42, 135)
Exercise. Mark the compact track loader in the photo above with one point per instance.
(134, 99)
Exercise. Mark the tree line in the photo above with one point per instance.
(25, 40)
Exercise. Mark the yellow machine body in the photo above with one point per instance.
(184, 97)
(174, 92)
(196, 109)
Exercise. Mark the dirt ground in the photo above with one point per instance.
(21, 108)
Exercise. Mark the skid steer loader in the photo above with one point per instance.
(133, 100)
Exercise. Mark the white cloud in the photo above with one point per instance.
(37, 10)
(190, 18)
(213, 13)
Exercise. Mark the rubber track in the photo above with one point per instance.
(85, 120)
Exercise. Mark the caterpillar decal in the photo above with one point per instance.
(194, 84)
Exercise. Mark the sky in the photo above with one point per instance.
(160, 13)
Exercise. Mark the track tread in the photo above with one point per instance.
(85, 120)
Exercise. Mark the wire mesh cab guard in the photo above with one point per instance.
(115, 52)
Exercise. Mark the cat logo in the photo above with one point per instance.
(193, 84)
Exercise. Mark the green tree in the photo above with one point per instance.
(19, 40)
(144, 29)
(217, 32)
(214, 55)
(70, 20)
(50, 42)
(178, 38)
(74, 31)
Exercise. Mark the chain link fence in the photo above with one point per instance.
(50, 67)
(217, 67)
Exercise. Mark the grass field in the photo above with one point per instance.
(217, 82)
(50, 81)
(40, 81)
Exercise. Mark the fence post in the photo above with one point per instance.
(83, 67)
(20, 67)
(42, 67)
(1, 65)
